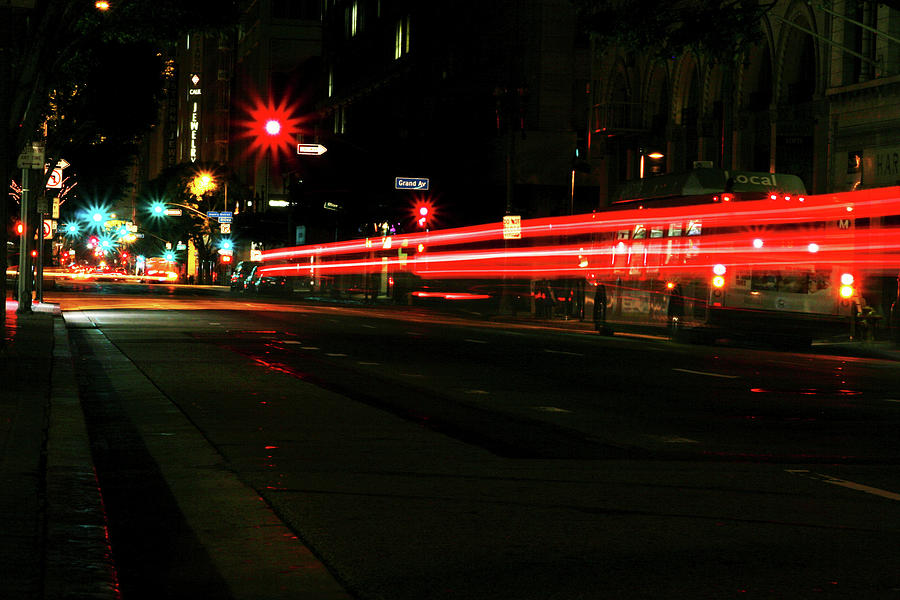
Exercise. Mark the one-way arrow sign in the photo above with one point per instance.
(311, 149)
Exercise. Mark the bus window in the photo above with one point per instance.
(793, 283)
(675, 230)
(693, 227)
(623, 234)
(819, 280)
(656, 232)
(640, 232)
(764, 282)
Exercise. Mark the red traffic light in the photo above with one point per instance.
(422, 212)
(20, 229)
(226, 258)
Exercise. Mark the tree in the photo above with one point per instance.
(47, 48)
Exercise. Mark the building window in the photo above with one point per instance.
(401, 37)
(351, 19)
(340, 120)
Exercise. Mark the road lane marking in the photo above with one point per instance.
(859, 487)
(548, 351)
(708, 374)
(290, 342)
(337, 354)
(309, 347)
(475, 392)
(555, 409)
(369, 326)
(367, 363)
(891, 400)
(473, 341)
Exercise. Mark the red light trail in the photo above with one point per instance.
(762, 234)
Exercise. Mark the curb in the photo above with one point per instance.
(78, 559)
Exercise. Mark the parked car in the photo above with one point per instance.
(241, 272)
(271, 285)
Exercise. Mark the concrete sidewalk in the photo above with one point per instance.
(53, 539)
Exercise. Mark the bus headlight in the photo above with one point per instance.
(718, 281)
(847, 291)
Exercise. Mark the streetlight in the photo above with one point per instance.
(201, 183)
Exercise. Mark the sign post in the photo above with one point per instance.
(31, 158)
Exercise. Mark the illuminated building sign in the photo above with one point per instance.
(194, 100)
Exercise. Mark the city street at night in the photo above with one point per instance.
(263, 446)
(449, 300)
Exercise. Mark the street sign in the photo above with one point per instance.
(56, 179)
(32, 157)
(331, 206)
(311, 149)
(48, 229)
(225, 217)
(419, 184)
(212, 214)
(512, 227)
(173, 212)
(224, 227)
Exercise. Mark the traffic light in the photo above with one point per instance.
(20, 229)
(226, 258)
(273, 127)
(423, 213)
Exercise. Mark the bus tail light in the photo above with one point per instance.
(847, 290)
(718, 281)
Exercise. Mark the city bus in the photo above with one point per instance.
(767, 263)
(750, 255)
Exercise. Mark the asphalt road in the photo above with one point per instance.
(418, 455)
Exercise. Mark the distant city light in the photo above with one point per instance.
(101, 5)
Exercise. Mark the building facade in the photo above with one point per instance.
(509, 107)
(815, 96)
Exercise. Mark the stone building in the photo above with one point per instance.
(816, 96)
